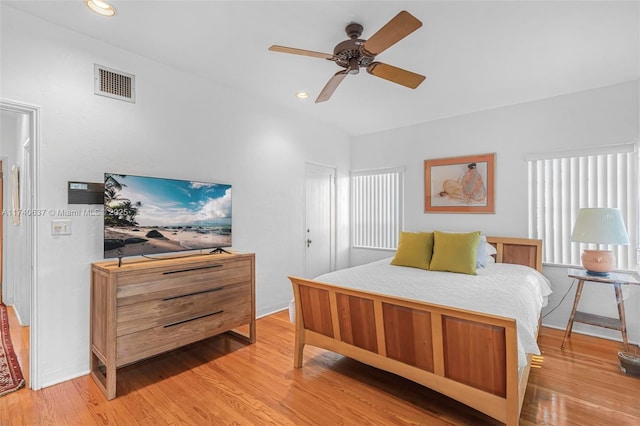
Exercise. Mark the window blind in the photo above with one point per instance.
(562, 182)
(376, 206)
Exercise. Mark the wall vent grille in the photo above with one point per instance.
(114, 84)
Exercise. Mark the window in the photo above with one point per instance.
(562, 182)
(376, 206)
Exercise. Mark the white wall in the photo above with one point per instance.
(597, 117)
(180, 127)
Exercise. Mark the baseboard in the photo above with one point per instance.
(592, 334)
(275, 311)
(16, 312)
(59, 380)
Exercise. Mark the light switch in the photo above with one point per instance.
(61, 227)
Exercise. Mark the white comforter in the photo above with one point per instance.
(511, 291)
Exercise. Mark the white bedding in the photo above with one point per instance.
(507, 290)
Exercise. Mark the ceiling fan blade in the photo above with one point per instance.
(294, 51)
(392, 32)
(331, 86)
(396, 75)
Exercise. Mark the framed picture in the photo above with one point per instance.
(460, 184)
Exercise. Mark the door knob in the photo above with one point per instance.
(308, 242)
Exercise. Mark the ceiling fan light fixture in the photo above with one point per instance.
(101, 7)
(302, 95)
(354, 66)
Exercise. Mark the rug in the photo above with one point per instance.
(10, 374)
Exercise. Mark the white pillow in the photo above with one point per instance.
(485, 253)
(491, 250)
(481, 256)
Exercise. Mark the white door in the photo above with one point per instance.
(319, 220)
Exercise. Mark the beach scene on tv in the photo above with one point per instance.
(148, 215)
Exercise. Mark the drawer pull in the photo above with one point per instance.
(211, 290)
(218, 265)
(173, 324)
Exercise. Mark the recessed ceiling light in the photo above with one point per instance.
(101, 7)
(302, 95)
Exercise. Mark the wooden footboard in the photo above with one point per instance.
(469, 356)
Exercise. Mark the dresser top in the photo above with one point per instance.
(164, 261)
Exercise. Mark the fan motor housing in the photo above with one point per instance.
(345, 51)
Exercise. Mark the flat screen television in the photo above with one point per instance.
(149, 215)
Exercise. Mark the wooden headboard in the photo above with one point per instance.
(521, 251)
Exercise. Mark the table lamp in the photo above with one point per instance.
(599, 226)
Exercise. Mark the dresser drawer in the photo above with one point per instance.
(180, 307)
(136, 288)
(162, 338)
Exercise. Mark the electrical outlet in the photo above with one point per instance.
(61, 227)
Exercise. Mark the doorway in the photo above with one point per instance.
(1, 225)
(18, 151)
(320, 218)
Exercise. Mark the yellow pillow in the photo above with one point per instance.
(455, 252)
(414, 250)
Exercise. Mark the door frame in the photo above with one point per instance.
(333, 228)
(33, 113)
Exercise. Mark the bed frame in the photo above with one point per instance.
(469, 356)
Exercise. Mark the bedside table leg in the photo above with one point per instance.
(567, 332)
(621, 314)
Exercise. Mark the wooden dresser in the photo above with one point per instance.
(150, 306)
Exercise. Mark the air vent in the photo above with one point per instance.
(114, 84)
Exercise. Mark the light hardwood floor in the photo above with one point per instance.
(223, 381)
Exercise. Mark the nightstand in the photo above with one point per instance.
(617, 279)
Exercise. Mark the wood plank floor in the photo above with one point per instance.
(223, 381)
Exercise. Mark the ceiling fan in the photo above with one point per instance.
(356, 53)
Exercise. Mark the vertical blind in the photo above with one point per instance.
(560, 183)
(376, 206)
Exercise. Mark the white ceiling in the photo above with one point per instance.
(477, 55)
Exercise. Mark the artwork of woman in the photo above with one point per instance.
(460, 184)
(472, 184)
(468, 188)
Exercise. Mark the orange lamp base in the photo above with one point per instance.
(598, 262)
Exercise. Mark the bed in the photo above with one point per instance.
(475, 356)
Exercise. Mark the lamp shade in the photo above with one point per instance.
(600, 226)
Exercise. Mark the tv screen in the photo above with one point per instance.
(148, 215)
